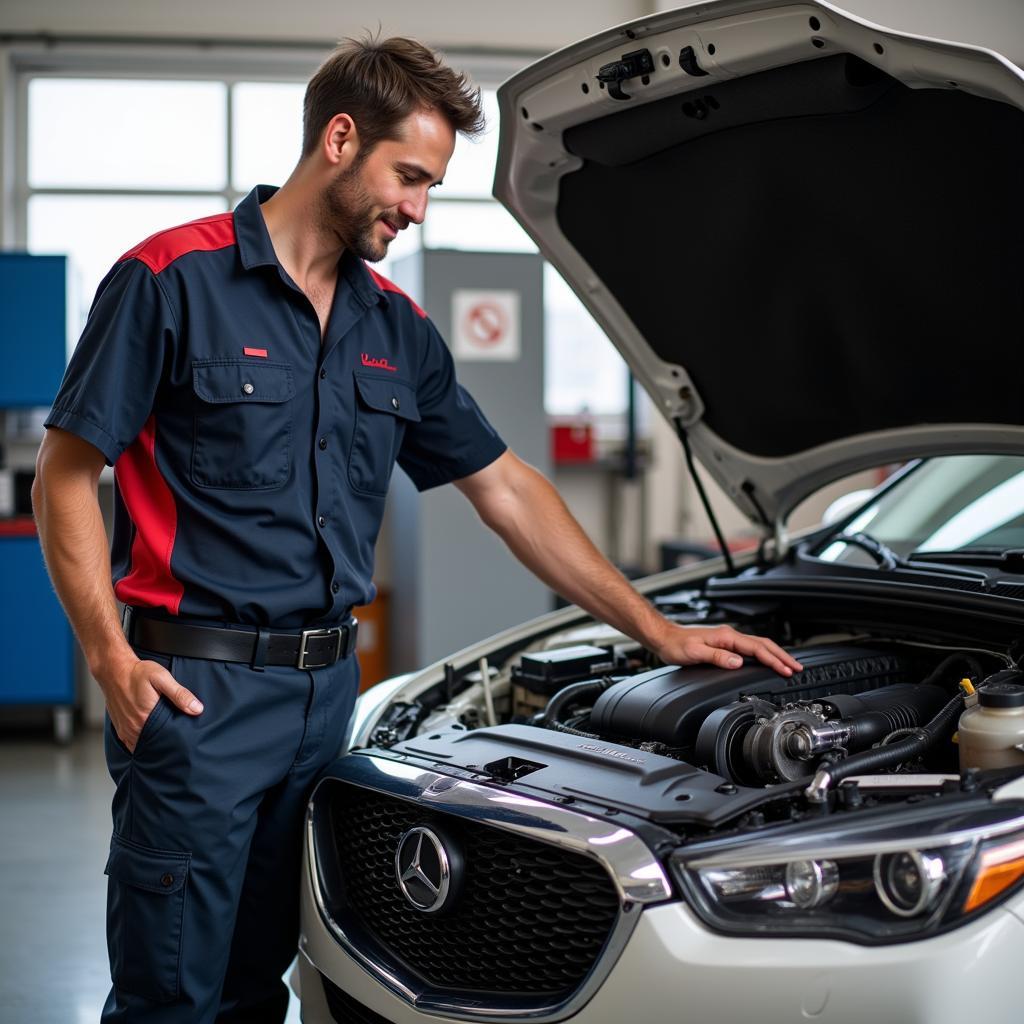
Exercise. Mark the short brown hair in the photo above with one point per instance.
(380, 82)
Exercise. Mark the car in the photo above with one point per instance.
(802, 231)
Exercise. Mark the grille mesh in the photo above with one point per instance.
(530, 918)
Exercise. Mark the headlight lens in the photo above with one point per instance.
(909, 882)
(810, 883)
(858, 894)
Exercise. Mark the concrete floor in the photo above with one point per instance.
(54, 837)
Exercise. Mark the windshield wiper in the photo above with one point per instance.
(888, 559)
(1010, 559)
(882, 553)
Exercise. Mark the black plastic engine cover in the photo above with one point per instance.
(558, 766)
(669, 705)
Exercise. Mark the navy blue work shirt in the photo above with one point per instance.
(251, 461)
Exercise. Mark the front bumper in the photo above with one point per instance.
(660, 962)
(673, 969)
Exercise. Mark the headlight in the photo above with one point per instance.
(892, 888)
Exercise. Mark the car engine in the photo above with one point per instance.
(699, 745)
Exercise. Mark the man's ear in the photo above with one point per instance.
(340, 141)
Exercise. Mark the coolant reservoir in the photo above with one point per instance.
(992, 732)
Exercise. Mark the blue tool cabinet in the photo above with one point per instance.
(33, 328)
(36, 646)
(37, 662)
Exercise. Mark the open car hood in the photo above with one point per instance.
(802, 231)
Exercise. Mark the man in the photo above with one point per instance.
(253, 382)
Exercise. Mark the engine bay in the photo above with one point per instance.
(588, 716)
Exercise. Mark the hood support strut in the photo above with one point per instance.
(692, 467)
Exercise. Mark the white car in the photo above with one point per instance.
(803, 232)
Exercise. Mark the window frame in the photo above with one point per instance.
(228, 64)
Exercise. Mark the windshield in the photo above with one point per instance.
(955, 503)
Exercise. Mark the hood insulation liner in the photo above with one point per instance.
(825, 251)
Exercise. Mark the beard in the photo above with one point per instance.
(347, 209)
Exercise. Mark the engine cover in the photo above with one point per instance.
(555, 766)
(668, 705)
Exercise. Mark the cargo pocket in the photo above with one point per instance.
(243, 425)
(145, 907)
(383, 408)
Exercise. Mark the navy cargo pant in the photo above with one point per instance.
(203, 886)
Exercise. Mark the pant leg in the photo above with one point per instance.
(185, 812)
(267, 926)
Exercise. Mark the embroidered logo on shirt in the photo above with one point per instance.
(261, 352)
(379, 363)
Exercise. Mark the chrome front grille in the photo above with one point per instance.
(531, 918)
(543, 897)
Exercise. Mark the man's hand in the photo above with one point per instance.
(722, 646)
(515, 501)
(133, 694)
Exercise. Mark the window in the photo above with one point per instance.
(112, 160)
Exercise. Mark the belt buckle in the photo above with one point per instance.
(309, 634)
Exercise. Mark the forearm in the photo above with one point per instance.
(74, 544)
(550, 543)
(519, 504)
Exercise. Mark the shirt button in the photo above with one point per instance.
(323, 374)
(323, 443)
(335, 587)
(395, 404)
(322, 520)
(247, 389)
(167, 881)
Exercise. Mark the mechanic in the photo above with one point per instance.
(253, 381)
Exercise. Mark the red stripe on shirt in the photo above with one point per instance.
(160, 250)
(261, 352)
(389, 286)
(150, 504)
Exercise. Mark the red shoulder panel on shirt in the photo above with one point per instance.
(389, 286)
(160, 250)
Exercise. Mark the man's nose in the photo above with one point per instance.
(414, 210)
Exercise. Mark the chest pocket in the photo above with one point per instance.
(383, 408)
(243, 426)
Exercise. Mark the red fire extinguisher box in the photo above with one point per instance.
(572, 442)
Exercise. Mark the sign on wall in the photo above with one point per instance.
(485, 324)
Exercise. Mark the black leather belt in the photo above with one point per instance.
(305, 649)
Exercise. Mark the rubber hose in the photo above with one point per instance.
(895, 753)
(572, 694)
(940, 670)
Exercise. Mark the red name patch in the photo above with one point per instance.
(261, 352)
(379, 363)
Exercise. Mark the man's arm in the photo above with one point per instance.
(74, 543)
(526, 511)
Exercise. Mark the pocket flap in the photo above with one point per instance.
(242, 380)
(392, 396)
(154, 870)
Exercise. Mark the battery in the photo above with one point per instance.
(546, 672)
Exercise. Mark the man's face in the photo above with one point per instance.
(369, 202)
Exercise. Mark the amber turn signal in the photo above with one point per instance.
(998, 869)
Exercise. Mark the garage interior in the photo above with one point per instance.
(118, 119)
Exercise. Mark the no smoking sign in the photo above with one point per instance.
(485, 324)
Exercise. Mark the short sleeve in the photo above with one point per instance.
(111, 381)
(453, 438)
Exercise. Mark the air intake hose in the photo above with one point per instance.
(917, 742)
(574, 694)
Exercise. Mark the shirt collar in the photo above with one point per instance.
(257, 250)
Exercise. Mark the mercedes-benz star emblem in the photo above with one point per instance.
(423, 869)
